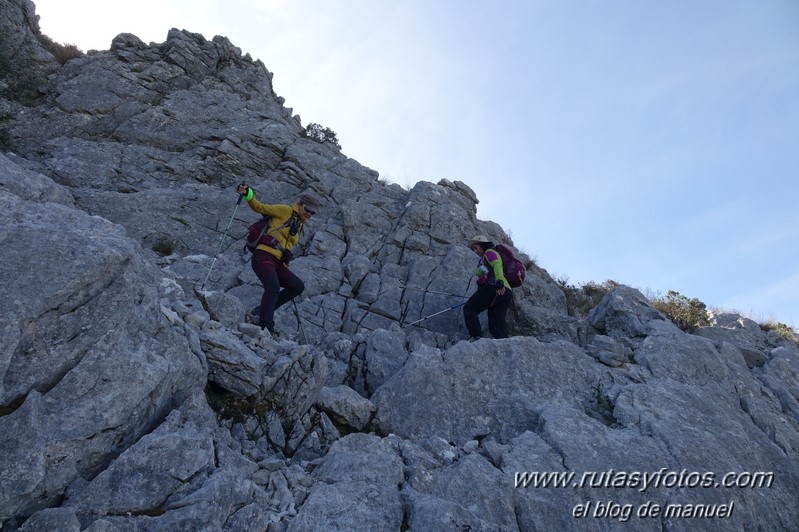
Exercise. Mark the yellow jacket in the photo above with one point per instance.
(288, 234)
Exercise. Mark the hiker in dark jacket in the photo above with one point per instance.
(493, 291)
(270, 260)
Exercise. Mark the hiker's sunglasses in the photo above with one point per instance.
(309, 211)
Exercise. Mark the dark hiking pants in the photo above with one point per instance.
(273, 275)
(486, 298)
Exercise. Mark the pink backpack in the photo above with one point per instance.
(512, 268)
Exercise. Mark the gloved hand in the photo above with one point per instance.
(500, 288)
(243, 190)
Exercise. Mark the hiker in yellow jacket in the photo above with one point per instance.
(493, 291)
(273, 253)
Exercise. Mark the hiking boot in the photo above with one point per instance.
(253, 315)
(266, 333)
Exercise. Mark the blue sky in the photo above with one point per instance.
(652, 143)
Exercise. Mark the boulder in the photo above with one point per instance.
(346, 407)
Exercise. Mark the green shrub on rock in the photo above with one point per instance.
(687, 314)
(322, 134)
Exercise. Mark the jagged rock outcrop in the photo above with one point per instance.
(20, 27)
(131, 399)
(145, 135)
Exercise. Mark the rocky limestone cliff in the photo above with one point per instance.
(132, 400)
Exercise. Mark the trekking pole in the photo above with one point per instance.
(453, 307)
(221, 242)
(299, 322)
(431, 291)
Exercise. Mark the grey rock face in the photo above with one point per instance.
(132, 400)
(508, 376)
(385, 355)
(31, 185)
(20, 25)
(86, 353)
(156, 468)
(357, 488)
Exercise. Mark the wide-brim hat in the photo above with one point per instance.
(479, 239)
(309, 200)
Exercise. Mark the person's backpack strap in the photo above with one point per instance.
(258, 232)
(294, 223)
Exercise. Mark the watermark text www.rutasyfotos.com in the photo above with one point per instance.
(644, 481)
